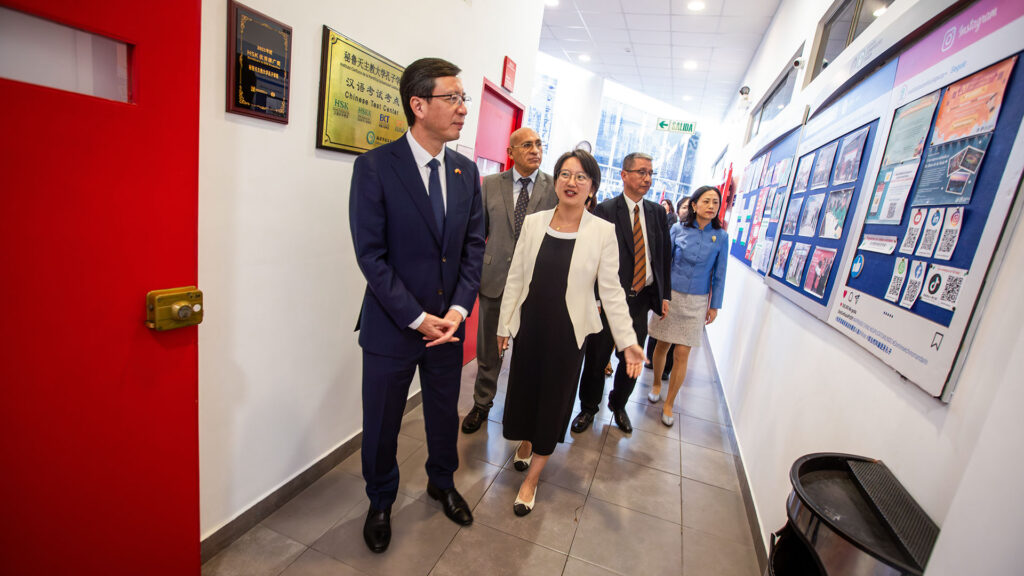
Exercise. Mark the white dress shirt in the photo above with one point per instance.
(643, 229)
(517, 187)
(422, 158)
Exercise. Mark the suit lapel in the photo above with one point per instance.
(539, 186)
(624, 220)
(407, 171)
(507, 189)
(652, 230)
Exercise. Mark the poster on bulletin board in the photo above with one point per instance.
(759, 205)
(940, 198)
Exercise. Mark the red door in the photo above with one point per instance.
(99, 419)
(500, 116)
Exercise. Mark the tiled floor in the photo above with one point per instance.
(658, 501)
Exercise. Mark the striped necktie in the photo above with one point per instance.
(639, 258)
(519, 212)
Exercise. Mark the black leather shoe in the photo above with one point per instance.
(476, 417)
(454, 505)
(377, 529)
(622, 420)
(664, 375)
(582, 421)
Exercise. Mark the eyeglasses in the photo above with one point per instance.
(579, 177)
(452, 98)
(525, 146)
(643, 173)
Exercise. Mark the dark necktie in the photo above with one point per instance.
(639, 258)
(520, 210)
(434, 191)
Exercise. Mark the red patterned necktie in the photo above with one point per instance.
(639, 259)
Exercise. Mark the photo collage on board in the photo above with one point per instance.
(764, 188)
(936, 179)
(822, 194)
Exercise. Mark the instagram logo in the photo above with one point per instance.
(947, 40)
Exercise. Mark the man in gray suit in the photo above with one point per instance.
(507, 197)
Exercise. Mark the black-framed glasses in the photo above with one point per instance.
(579, 177)
(643, 173)
(452, 98)
(526, 146)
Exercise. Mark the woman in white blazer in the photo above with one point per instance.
(548, 306)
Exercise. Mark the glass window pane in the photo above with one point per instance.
(45, 53)
(779, 98)
(869, 12)
(836, 32)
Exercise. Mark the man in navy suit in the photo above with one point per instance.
(418, 231)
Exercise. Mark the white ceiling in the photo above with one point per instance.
(643, 44)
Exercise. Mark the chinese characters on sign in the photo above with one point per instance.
(360, 107)
(259, 61)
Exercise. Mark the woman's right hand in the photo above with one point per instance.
(502, 346)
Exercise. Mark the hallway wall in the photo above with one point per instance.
(795, 385)
(279, 365)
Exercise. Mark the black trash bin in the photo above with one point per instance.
(851, 517)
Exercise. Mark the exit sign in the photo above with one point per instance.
(676, 126)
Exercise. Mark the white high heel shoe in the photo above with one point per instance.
(521, 464)
(653, 398)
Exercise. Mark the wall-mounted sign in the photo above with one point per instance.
(360, 108)
(666, 125)
(259, 64)
(508, 74)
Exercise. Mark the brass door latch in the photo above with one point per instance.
(174, 308)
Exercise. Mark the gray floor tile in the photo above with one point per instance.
(482, 550)
(712, 555)
(704, 433)
(553, 521)
(260, 552)
(644, 448)
(613, 537)
(419, 535)
(709, 466)
(592, 438)
(638, 488)
(715, 511)
(571, 466)
(705, 409)
(406, 446)
(647, 417)
(412, 424)
(486, 444)
(313, 563)
(577, 567)
(497, 412)
(471, 478)
(307, 516)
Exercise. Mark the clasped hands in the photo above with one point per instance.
(437, 331)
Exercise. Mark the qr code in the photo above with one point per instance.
(891, 212)
(946, 243)
(952, 289)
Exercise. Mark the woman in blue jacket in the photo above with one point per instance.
(699, 253)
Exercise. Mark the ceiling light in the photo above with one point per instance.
(879, 12)
(690, 65)
(551, 3)
(696, 6)
(584, 57)
(687, 98)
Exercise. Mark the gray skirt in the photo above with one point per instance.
(684, 322)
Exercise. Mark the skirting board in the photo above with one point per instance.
(235, 529)
(741, 473)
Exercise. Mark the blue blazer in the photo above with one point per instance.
(409, 266)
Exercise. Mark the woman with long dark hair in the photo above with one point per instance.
(699, 255)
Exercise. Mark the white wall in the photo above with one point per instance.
(795, 385)
(279, 365)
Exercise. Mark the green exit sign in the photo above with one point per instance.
(676, 126)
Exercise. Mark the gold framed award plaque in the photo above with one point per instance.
(259, 64)
(360, 108)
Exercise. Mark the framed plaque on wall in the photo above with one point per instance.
(259, 64)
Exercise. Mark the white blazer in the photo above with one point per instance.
(595, 258)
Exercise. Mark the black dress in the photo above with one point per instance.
(546, 362)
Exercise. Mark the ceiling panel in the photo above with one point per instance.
(643, 44)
